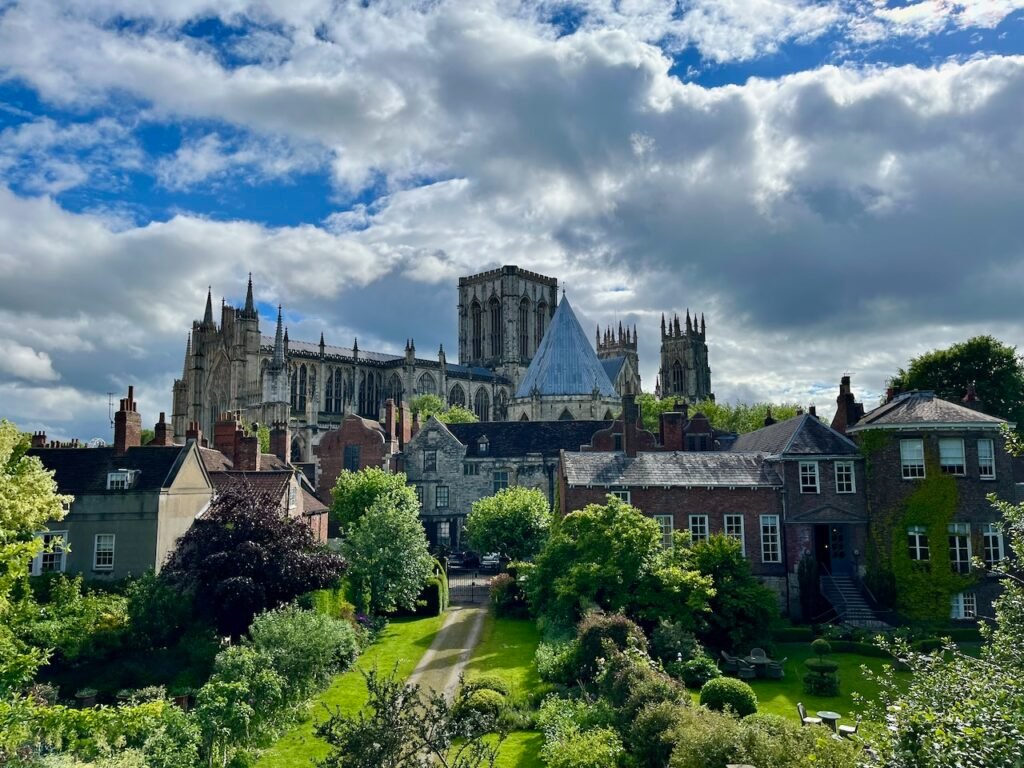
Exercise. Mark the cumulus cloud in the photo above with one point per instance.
(25, 363)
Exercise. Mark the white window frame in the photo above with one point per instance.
(770, 538)
(960, 547)
(987, 465)
(61, 550)
(851, 480)
(419, 494)
(667, 525)
(963, 605)
(699, 522)
(447, 496)
(121, 480)
(625, 496)
(952, 462)
(96, 551)
(494, 480)
(729, 521)
(445, 539)
(809, 467)
(992, 544)
(915, 547)
(911, 468)
(293, 496)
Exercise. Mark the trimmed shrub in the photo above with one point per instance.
(705, 738)
(927, 645)
(484, 702)
(779, 742)
(821, 647)
(670, 642)
(822, 666)
(596, 631)
(727, 692)
(821, 684)
(629, 683)
(486, 683)
(793, 635)
(433, 600)
(653, 734)
(695, 672)
(330, 602)
(556, 662)
(860, 648)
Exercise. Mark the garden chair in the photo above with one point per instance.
(849, 731)
(730, 664)
(758, 653)
(774, 670)
(745, 671)
(804, 719)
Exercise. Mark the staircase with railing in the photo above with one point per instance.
(845, 596)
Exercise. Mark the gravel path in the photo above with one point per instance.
(444, 661)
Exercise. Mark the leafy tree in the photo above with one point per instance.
(400, 727)
(388, 554)
(514, 522)
(995, 368)
(355, 492)
(432, 405)
(742, 609)
(739, 418)
(245, 556)
(146, 436)
(28, 502)
(611, 556)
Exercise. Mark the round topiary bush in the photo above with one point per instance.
(821, 647)
(486, 683)
(822, 666)
(483, 702)
(728, 692)
(695, 672)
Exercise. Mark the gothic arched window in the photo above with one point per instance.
(457, 396)
(542, 320)
(524, 328)
(329, 393)
(494, 308)
(295, 389)
(395, 388)
(338, 391)
(314, 395)
(302, 388)
(362, 393)
(500, 402)
(476, 318)
(482, 405)
(677, 377)
(426, 385)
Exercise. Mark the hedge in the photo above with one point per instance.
(330, 602)
(793, 635)
(858, 647)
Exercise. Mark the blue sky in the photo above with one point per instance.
(836, 185)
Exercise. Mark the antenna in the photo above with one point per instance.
(110, 408)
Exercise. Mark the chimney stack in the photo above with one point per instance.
(193, 432)
(390, 428)
(38, 439)
(127, 425)
(404, 425)
(630, 416)
(673, 431)
(226, 434)
(162, 433)
(848, 410)
(812, 409)
(970, 399)
(768, 418)
(280, 441)
(247, 454)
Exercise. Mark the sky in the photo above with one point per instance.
(836, 185)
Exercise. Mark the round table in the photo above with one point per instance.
(830, 718)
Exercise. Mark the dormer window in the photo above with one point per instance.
(121, 480)
(482, 446)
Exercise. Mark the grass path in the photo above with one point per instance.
(442, 664)
(403, 643)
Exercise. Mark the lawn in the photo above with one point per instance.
(402, 643)
(506, 649)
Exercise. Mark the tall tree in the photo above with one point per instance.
(245, 556)
(738, 417)
(426, 406)
(994, 368)
(513, 522)
(355, 492)
(28, 501)
(388, 554)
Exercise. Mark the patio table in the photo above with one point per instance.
(830, 718)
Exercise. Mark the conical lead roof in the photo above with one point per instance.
(565, 363)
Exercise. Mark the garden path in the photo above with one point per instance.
(445, 660)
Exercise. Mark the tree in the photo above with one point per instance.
(963, 709)
(996, 370)
(611, 556)
(245, 556)
(146, 436)
(513, 522)
(28, 502)
(388, 554)
(355, 492)
(739, 418)
(401, 727)
(742, 609)
(431, 405)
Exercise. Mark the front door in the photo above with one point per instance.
(837, 549)
(823, 547)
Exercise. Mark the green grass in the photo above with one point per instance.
(521, 750)
(402, 643)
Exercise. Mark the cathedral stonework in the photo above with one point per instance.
(684, 373)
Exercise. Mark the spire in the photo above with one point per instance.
(208, 317)
(321, 343)
(250, 307)
(701, 323)
(677, 329)
(634, 333)
(188, 357)
(597, 335)
(278, 360)
(689, 327)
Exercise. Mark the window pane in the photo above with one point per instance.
(698, 528)
(912, 458)
(808, 477)
(986, 459)
(500, 481)
(770, 549)
(665, 524)
(103, 557)
(844, 477)
(733, 525)
(951, 456)
(441, 496)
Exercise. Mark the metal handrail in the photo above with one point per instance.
(828, 575)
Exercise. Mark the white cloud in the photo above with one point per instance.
(25, 363)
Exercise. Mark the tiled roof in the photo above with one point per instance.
(311, 505)
(802, 435)
(669, 469)
(214, 460)
(518, 438)
(612, 366)
(565, 363)
(920, 409)
(274, 482)
(271, 461)
(85, 470)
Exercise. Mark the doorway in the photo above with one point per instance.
(830, 548)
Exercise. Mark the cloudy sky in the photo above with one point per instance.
(836, 185)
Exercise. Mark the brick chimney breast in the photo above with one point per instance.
(127, 425)
(162, 432)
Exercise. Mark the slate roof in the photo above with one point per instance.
(517, 438)
(311, 505)
(800, 436)
(84, 470)
(612, 366)
(669, 469)
(565, 363)
(923, 409)
(216, 461)
(274, 482)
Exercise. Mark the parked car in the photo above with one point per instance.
(490, 561)
(456, 560)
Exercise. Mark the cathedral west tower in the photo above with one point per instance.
(685, 373)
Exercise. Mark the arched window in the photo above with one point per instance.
(338, 391)
(566, 415)
(476, 318)
(329, 393)
(524, 328)
(296, 450)
(500, 402)
(361, 407)
(542, 321)
(524, 417)
(457, 396)
(295, 388)
(482, 405)
(677, 377)
(311, 389)
(395, 388)
(494, 308)
(302, 388)
(426, 385)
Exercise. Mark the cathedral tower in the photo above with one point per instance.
(618, 354)
(684, 370)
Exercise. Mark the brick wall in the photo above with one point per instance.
(374, 451)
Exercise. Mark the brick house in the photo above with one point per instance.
(453, 465)
(917, 433)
